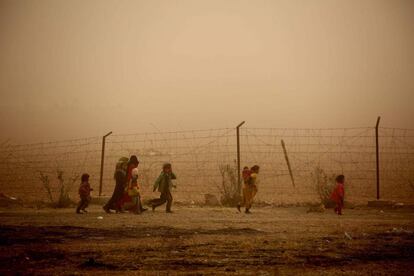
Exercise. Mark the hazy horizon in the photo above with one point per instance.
(82, 68)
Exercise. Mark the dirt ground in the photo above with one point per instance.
(207, 241)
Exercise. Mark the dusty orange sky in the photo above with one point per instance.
(81, 68)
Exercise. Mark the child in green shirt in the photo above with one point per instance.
(164, 186)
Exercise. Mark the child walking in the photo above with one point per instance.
(135, 204)
(84, 193)
(249, 188)
(338, 194)
(164, 186)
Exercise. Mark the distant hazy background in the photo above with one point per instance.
(81, 68)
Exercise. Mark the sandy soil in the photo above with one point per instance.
(207, 241)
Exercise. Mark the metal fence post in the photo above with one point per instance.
(287, 162)
(377, 157)
(238, 156)
(102, 161)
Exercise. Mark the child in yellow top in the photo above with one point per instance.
(249, 188)
(135, 204)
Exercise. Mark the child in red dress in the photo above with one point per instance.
(338, 194)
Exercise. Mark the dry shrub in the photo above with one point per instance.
(65, 188)
(230, 194)
(46, 185)
(324, 185)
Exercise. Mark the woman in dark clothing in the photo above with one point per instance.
(120, 184)
(125, 198)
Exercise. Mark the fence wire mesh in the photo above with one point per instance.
(197, 155)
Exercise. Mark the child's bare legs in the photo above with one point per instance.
(338, 208)
(136, 204)
(243, 200)
(251, 193)
(341, 205)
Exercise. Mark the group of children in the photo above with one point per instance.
(127, 196)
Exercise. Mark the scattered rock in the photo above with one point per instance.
(347, 236)
(9, 201)
(398, 205)
(400, 231)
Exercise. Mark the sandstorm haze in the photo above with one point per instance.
(72, 69)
